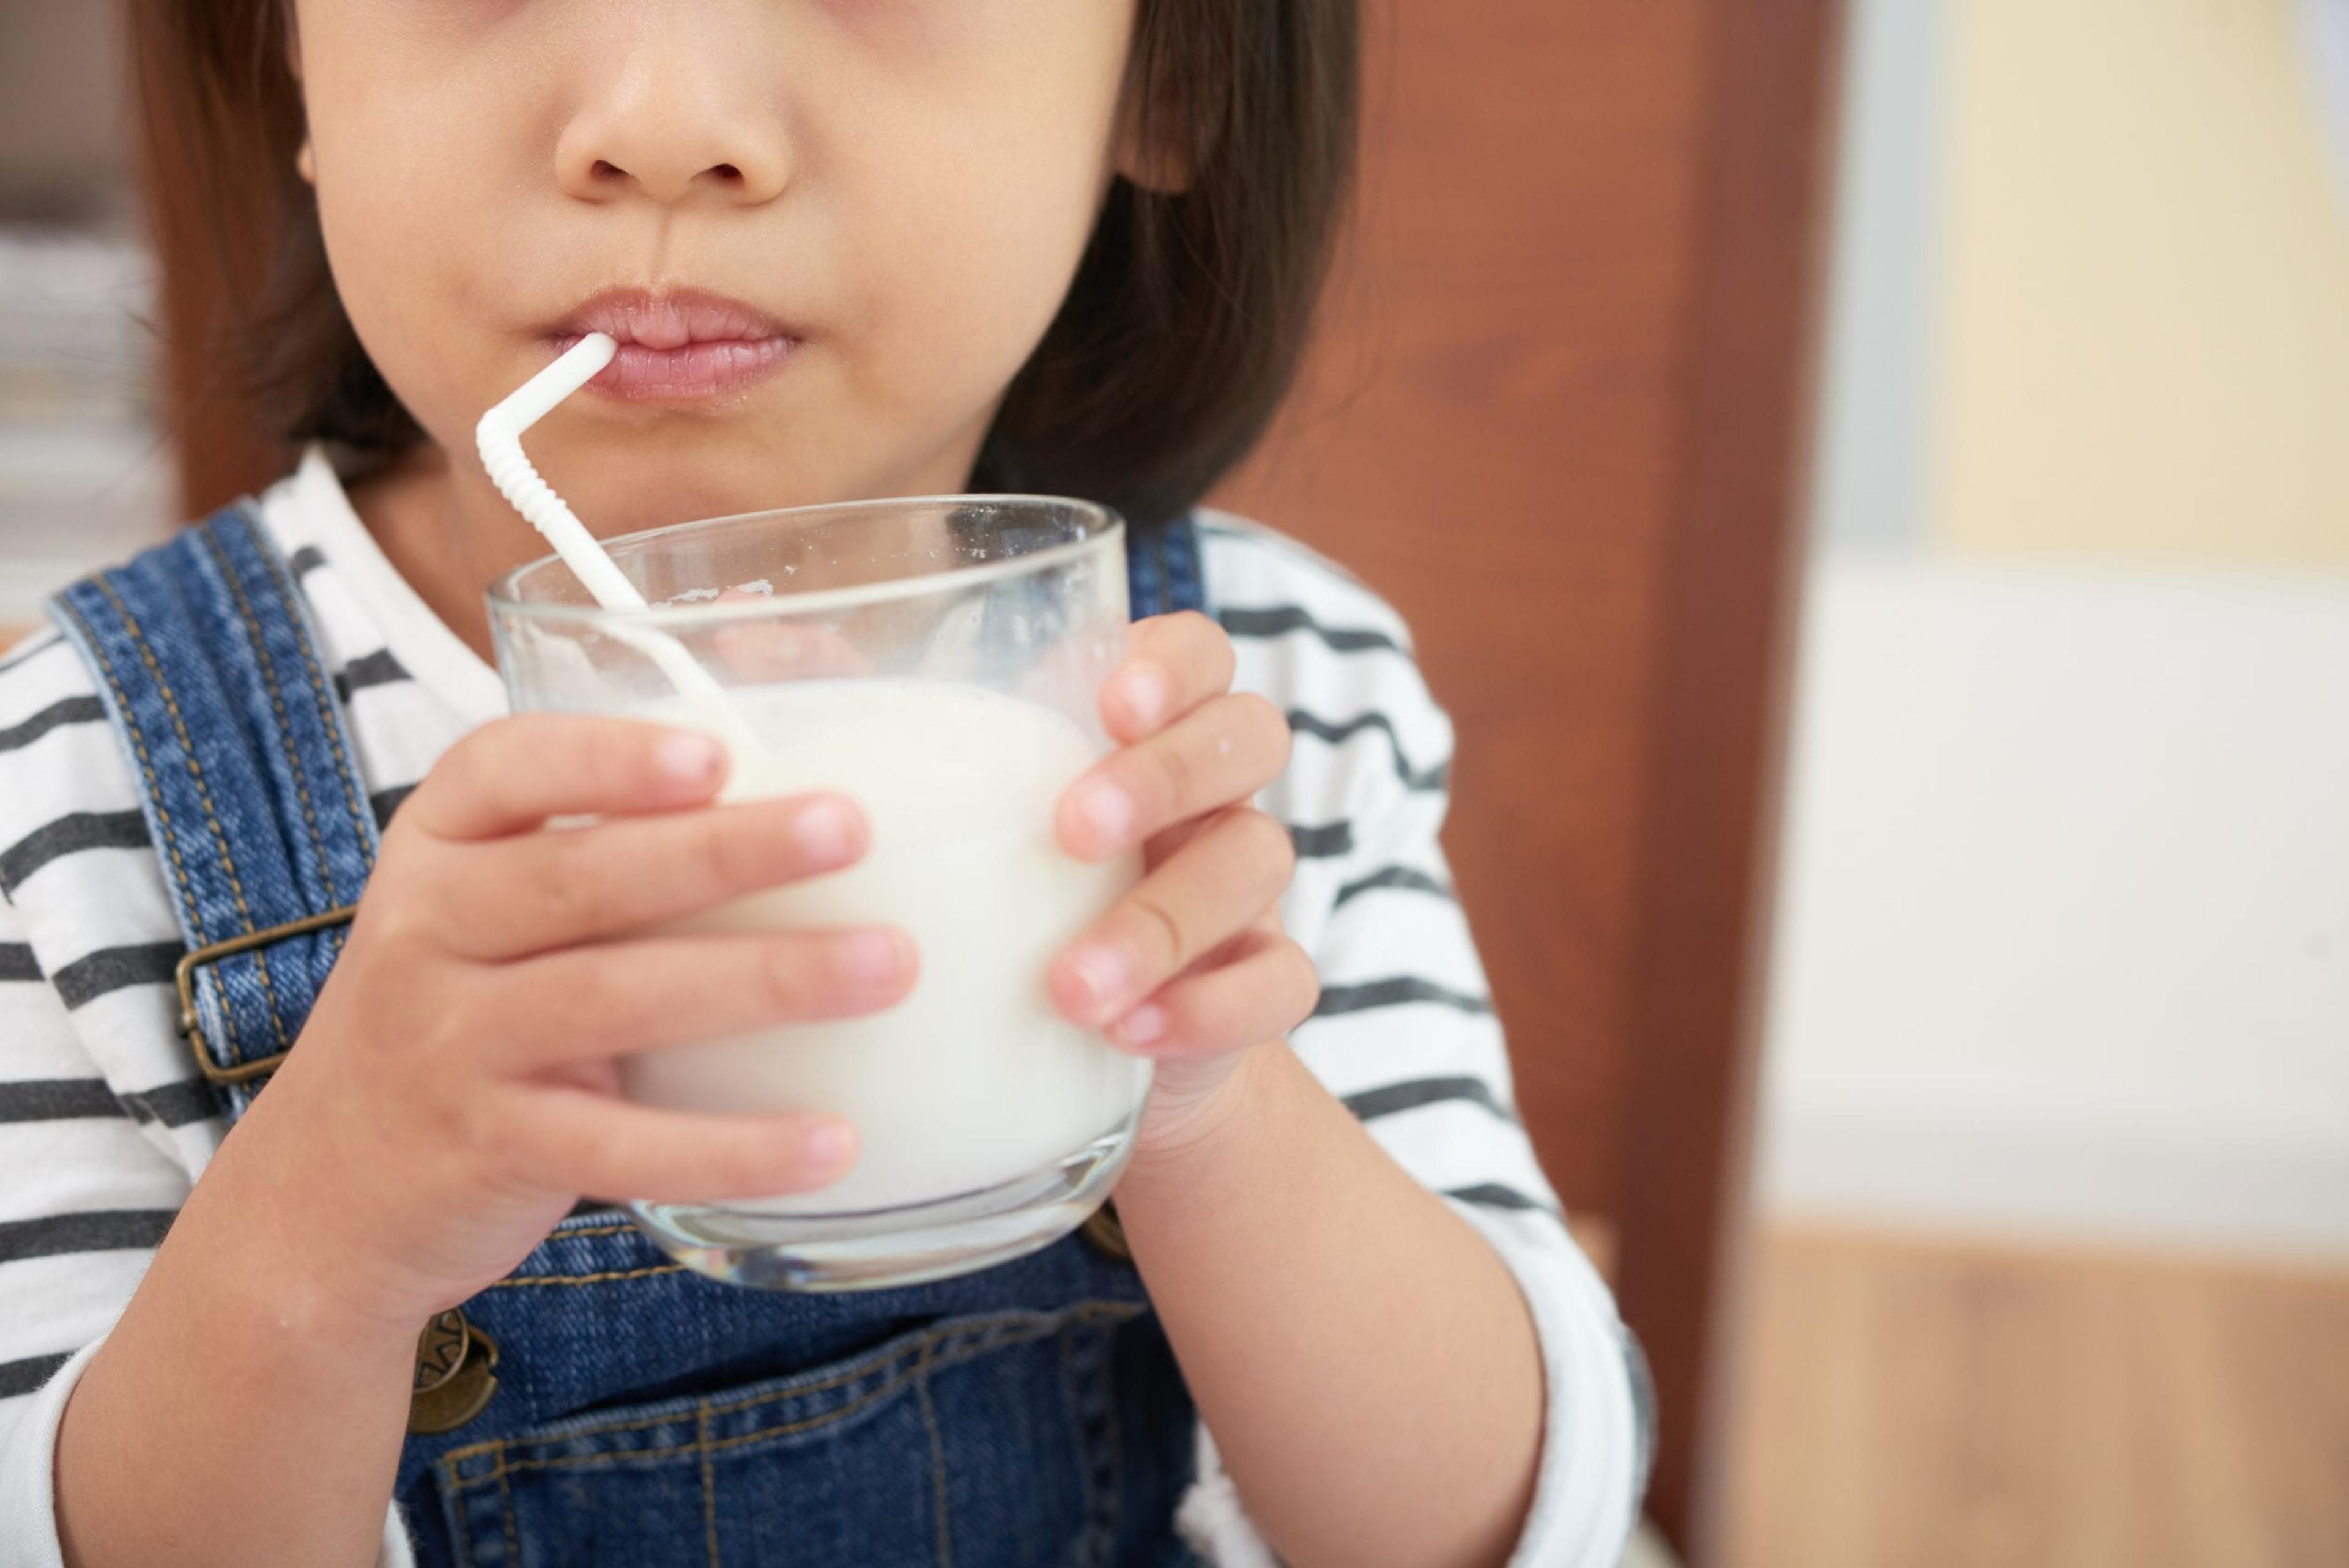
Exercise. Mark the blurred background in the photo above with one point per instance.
(1871, 480)
(84, 474)
(2054, 1152)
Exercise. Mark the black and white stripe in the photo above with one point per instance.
(27, 1373)
(102, 1231)
(1321, 840)
(1395, 991)
(383, 803)
(64, 711)
(1400, 879)
(1411, 1094)
(94, 974)
(171, 1104)
(102, 1125)
(1337, 732)
(375, 669)
(1279, 619)
(57, 1100)
(67, 835)
(1496, 1195)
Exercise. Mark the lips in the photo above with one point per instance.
(677, 346)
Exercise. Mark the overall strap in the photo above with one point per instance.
(247, 774)
(1161, 569)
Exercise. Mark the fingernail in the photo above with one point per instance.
(825, 830)
(1101, 971)
(1140, 1026)
(871, 957)
(688, 756)
(1107, 808)
(831, 1143)
(1145, 693)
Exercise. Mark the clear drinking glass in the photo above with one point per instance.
(938, 660)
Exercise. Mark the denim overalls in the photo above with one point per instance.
(636, 1413)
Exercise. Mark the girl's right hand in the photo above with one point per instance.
(454, 1092)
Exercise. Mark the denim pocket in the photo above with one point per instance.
(990, 1440)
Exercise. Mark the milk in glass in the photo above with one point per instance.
(974, 1078)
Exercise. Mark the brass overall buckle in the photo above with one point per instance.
(184, 976)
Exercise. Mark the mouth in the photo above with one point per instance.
(683, 346)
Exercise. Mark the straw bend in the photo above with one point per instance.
(498, 438)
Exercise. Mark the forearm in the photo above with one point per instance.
(223, 1362)
(1364, 1358)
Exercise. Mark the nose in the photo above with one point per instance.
(674, 117)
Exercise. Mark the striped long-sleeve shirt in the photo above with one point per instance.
(103, 1127)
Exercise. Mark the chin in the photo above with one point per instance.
(674, 472)
(631, 492)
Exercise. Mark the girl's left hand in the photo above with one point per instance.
(1192, 967)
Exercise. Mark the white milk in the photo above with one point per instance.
(973, 1078)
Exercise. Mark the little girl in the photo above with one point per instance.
(850, 248)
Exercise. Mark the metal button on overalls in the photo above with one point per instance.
(456, 1364)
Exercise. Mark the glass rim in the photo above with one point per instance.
(1105, 524)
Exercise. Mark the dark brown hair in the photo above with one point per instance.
(1177, 340)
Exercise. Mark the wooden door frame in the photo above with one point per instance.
(1729, 585)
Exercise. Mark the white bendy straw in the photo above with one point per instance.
(499, 438)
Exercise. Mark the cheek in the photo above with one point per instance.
(967, 215)
(402, 205)
(965, 280)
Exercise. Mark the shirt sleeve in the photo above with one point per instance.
(1405, 1036)
(84, 1199)
(102, 1122)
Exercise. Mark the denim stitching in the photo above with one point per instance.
(606, 1276)
(277, 705)
(463, 1531)
(861, 1369)
(1116, 1444)
(204, 794)
(146, 766)
(863, 1402)
(977, 1343)
(1077, 1380)
(289, 590)
(505, 1505)
(1072, 1401)
(937, 1460)
(709, 1485)
(980, 1333)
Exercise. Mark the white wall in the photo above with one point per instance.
(2064, 928)
(2142, 345)
(2062, 942)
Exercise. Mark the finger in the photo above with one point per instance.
(1221, 882)
(550, 889)
(1172, 663)
(584, 1142)
(1220, 754)
(513, 774)
(610, 999)
(1267, 988)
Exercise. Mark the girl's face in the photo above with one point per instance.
(864, 211)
